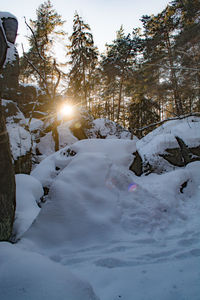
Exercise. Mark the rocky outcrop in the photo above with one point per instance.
(168, 147)
(137, 164)
(104, 128)
(84, 126)
(10, 70)
(19, 135)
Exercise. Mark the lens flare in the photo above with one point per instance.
(132, 187)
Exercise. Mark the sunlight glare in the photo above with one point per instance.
(66, 110)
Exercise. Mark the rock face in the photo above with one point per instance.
(8, 31)
(10, 71)
(32, 102)
(168, 147)
(19, 135)
(7, 183)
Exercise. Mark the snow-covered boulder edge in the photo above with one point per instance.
(174, 144)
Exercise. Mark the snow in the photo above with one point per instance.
(110, 130)
(28, 193)
(20, 139)
(119, 151)
(128, 237)
(16, 124)
(46, 171)
(46, 145)
(6, 15)
(11, 54)
(164, 137)
(25, 275)
(35, 124)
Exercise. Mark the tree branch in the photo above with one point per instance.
(35, 40)
(37, 71)
(197, 114)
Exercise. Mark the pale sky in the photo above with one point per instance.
(104, 16)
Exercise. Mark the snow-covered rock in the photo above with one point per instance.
(10, 71)
(174, 144)
(83, 126)
(119, 230)
(28, 194)
(131, 237)
(46, 144)
(19, 135)
(104, 128)
(94, 197)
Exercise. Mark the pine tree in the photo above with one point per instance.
(83, 60)
(117, 65)
(172, 51)
(187, 49)
(160, 39)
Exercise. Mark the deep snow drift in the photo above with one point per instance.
(130, 237)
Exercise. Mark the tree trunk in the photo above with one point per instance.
(177, 97)
(7, 183)
(55, 134)
(120, 97)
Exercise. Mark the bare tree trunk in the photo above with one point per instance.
(120, 96)
(113, 107)
(55, 134)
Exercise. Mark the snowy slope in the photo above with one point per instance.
(30, 276)
(130, 237)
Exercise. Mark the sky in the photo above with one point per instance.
(104, 16)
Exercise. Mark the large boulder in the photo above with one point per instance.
(172, 145)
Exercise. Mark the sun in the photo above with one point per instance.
(66, 110)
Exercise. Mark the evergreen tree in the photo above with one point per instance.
(117, 65)
(83, 60)
(172, 51)
(159, 51)
(187, 49)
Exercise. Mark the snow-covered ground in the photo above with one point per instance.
(105, 233)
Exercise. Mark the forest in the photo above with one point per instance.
(145, 76)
